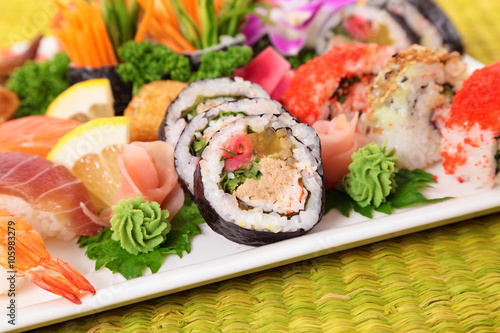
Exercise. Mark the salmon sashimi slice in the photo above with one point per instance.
(54, 201)
(34, 134)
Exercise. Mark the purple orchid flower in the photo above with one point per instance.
(291, 19)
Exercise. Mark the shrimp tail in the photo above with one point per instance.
(58, 277)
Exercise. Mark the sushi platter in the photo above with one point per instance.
(188, 155)
(208, 263)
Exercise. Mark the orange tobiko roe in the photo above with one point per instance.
(314, 83)
(478, 101)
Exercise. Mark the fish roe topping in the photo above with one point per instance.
(315, 82)
(478, 101)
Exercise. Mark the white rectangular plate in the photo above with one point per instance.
(213, 258)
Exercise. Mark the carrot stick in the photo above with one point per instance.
(141, 32)
(165, 27)
(191, 8)
(70, 50)
(103, 33)
(159, 34)
(72, 40)
(218, 6)
(179, 38)
(171, 14)
(93, 57)
(98, 43)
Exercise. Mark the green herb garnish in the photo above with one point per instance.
(231, 180)
(406, 194)
(108, 252)
(197, 146)
(38, 84)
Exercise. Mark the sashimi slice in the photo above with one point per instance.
(33, 134)
(267, 69)
(54, 201)
(339, 141)
(147, 169)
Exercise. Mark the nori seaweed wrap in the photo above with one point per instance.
(122, 91)
(200, 129)
(260, 180)
(200, 96)
(398, 23)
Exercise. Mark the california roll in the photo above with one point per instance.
(409, 103)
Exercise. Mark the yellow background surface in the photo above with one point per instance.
(24, 19)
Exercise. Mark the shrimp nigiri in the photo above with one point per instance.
(33, 260)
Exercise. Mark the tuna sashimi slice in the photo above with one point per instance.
(267, 69)
(47, 195)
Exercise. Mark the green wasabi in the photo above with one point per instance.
(138, 225)
(371, 175)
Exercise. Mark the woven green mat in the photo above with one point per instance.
(441, 280)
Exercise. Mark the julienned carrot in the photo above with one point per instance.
(157, 30)
(172, 18)
(84, 35)
(93, 56)
(98, 42)
(191, 7)
(217, 6)
(146, 19)
(103, 33)
(178, 38)
(72, 40)
(164, 27)
(166, 39)
(74, 56)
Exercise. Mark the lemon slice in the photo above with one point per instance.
(84, 101)
(90, 137)
(90, 151)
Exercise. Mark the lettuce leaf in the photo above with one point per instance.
(406, 194)
(108, 253)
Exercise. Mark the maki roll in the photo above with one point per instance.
(336, 82)
(409, 103)
(122, 91)
(470, 148)
(200, 129)
(397, 23)
(200, 96)
(260, 179)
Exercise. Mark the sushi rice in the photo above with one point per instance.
(261, 221)
(204, 125)
(409, 102)
(201, 96)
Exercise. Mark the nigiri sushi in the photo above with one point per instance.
(46, 194)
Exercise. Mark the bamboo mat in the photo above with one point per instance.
(441, 280)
